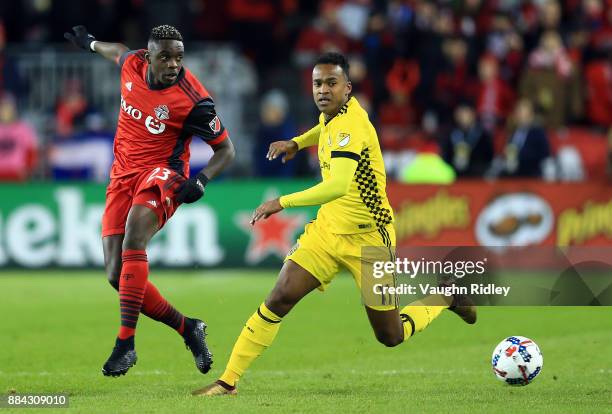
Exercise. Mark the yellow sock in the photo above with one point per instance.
(258, 334)
(419, 314)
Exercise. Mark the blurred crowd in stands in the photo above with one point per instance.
(497, 88)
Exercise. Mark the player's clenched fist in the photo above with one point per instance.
(289, 148)
(191, 190)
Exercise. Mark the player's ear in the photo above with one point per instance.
(148, 57)
(349, 88)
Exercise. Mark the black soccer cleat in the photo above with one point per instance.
(195, 341)
(122, 358)
(462, 305)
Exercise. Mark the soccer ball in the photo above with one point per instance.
(517, 360)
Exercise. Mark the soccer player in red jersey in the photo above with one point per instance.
(162, 106)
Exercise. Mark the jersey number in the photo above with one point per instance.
(163, 176)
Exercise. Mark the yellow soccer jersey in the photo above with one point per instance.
(365, 207)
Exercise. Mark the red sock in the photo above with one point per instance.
(132, 283)
(156, 307)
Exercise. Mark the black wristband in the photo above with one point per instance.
(203, 179)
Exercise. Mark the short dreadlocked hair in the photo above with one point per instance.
(165, 32)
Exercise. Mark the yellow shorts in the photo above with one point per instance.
(323, 253)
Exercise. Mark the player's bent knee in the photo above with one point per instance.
(135, 243)
(389, 340)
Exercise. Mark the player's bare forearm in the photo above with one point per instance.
(221, 159)
(111, 51)
(192, 190)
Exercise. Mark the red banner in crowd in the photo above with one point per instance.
(503, 213)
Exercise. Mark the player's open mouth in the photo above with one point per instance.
(324, 101)
(170, 76)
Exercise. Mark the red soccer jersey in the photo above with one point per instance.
(156, 124)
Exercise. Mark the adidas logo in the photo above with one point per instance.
(153, 203)
(128, 85)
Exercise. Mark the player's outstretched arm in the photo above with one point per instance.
(81, 38)
(342, 171)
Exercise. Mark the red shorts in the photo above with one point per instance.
(151, 188)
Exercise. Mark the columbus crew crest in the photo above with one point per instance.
(343, 139)
(162, 112)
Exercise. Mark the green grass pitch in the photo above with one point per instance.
(58, 328)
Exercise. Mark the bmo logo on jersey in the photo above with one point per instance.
(155, 126)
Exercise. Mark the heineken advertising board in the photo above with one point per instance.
(55, 225)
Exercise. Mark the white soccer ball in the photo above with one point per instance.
(517, 360)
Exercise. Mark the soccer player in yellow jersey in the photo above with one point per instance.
(354, 213)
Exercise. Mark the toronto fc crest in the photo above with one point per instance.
(162, 113)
